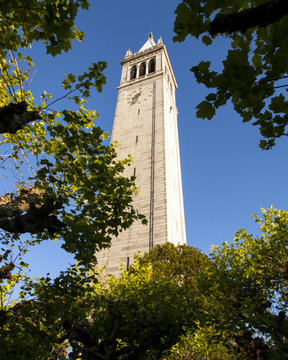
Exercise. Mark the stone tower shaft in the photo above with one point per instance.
(145, 126)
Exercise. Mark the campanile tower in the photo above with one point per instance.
(145, 126)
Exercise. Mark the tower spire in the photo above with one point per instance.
(149, 43)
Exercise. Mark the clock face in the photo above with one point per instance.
(136, 98)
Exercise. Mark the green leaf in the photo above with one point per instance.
(205, 110)
(206, 40)
(279, 104)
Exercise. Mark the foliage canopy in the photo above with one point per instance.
(174, 303)
(50, 21)
(254, 72)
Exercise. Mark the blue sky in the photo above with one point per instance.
(226, 177)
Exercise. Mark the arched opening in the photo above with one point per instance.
(151, 67)
(142, 70)
(133, 72)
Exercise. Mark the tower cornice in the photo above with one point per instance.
(142, 53)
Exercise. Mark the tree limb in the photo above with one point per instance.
(37, 213)
(14, 117)
(12, 206)
(5, 271)
(262, 16)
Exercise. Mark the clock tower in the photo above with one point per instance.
(145, 126)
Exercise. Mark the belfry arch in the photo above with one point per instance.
(142, 69)
(151, 66)
(133, 72)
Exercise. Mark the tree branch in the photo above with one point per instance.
(11, 206)
(14, 117)
(37, 215)
(262, 16)
(5, 271)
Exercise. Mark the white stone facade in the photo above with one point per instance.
(145, 126)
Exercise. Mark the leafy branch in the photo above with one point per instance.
(262, 15)
(93, 78)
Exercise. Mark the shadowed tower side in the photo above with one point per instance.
(145, 126)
